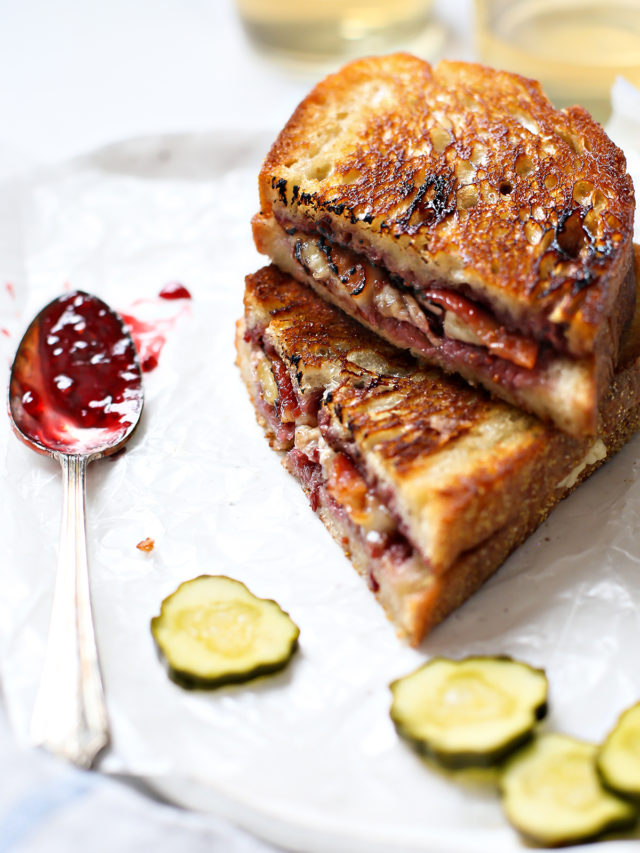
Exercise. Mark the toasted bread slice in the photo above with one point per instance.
(456, 212)
(426, 483)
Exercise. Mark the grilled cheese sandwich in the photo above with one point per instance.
(456, 213)
(426, 483)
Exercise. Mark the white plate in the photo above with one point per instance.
(308, 759)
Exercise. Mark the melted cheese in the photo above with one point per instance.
(373, 517)
(400, 306)
(267, 381)
(596, 453)
(456, 329)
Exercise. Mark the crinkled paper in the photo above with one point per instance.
(308, 758)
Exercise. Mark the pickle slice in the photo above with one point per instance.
(213, 631)
(553, 796)
(618, 759)
(471, 712)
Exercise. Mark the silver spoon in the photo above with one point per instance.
(76, 394)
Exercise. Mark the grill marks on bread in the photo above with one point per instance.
(438, 170)
(454, 463)
(321, 344)
(487, 474)
(408, 418)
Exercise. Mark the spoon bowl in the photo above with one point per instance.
(75, 393)
(76, 385)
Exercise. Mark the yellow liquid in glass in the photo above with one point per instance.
(324, 29)
(575, 48)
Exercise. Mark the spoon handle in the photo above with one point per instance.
(70, 716)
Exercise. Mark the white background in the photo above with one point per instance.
(75, 75)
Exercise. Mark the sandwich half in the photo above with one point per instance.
(426, 483)
(456, 213)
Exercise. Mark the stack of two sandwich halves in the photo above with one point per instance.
(446, 345)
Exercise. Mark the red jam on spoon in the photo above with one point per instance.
(76, 393)
(76, 384)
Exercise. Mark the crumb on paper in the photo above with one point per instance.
(146, 545)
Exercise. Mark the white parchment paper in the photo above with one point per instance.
(309, 758)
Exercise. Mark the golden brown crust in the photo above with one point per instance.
(318, 341)
(456, 462)
(628, 350)
(488, 509)
(417, 603)
(433, 604)
(467, 175)
(457, 465)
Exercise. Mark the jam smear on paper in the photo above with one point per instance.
(174, 290)
(153, 321)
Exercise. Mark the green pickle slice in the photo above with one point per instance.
(213, 631)
(551, 793)
(618, 759)
(471, 712)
